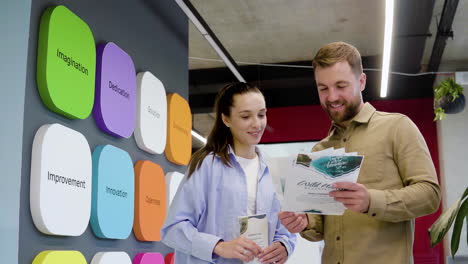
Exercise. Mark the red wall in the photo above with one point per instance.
(309, 123)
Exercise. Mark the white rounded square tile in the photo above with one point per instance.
(61, 181)
(173, 180)
(111, 258)
(151, 121)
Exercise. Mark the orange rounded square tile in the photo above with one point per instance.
(150, 201)
(179, 127)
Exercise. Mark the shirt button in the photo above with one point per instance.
(344, 139)
(338, 238)
(373, 214)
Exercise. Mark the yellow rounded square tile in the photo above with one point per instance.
(59, 257)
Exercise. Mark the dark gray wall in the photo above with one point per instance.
(155, 34)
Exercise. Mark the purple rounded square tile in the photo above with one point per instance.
(115, 106)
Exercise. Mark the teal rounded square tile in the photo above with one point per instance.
(112, 207)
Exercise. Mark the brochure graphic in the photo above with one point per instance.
(310, 177)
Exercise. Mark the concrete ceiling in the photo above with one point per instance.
(290, 32)
(274, 31)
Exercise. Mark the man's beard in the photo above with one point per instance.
(350, 111)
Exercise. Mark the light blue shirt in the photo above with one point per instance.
(206, 208)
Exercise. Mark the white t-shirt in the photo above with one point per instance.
(250, 167)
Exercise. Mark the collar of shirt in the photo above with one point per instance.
(362, 117)
(263, 165)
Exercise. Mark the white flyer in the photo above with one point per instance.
(310, 177)
(255, 228)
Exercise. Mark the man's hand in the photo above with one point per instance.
(276, 253)
(239, 248)
(354, 196)
(293, 222)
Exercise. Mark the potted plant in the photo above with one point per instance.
(448, 98)
(457, 213)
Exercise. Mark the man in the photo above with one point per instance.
(397, 181)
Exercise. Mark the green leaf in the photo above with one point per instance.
(438, 230)
(439, 113)
(454, 96)
(440, 227)
(448, 87)
(465, 194)
(457, 228)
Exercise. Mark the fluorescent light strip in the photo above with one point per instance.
(210, 40)
(387, 46)
(213, 44)
(224, 58)
(199, 137)
(192, 18)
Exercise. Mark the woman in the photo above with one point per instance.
(227, 178)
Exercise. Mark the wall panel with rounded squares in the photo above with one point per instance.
(151, 124)
(66, 63)
(113, 193)
(169, 258)
(150, 201)
(59, 257)
(179, 130)
(60, 187)
(148, 258)
(111, 258)
(115, 106)
(173, 180)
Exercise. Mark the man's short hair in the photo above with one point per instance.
(335, 52)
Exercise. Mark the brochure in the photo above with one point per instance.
(255, 228)
(310, 177)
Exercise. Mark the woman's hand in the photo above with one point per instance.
(239, 248)
(276, 253)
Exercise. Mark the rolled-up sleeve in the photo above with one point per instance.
(314, 230)
(179, 230)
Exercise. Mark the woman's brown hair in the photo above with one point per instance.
(220, 136)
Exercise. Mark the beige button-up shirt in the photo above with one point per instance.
(399, 174)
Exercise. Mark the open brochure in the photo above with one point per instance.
(255, 228)
(310, 177)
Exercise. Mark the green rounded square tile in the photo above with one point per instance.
(66, 63)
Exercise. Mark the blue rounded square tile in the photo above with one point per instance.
(112, 207)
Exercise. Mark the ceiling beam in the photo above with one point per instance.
(444, 31)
